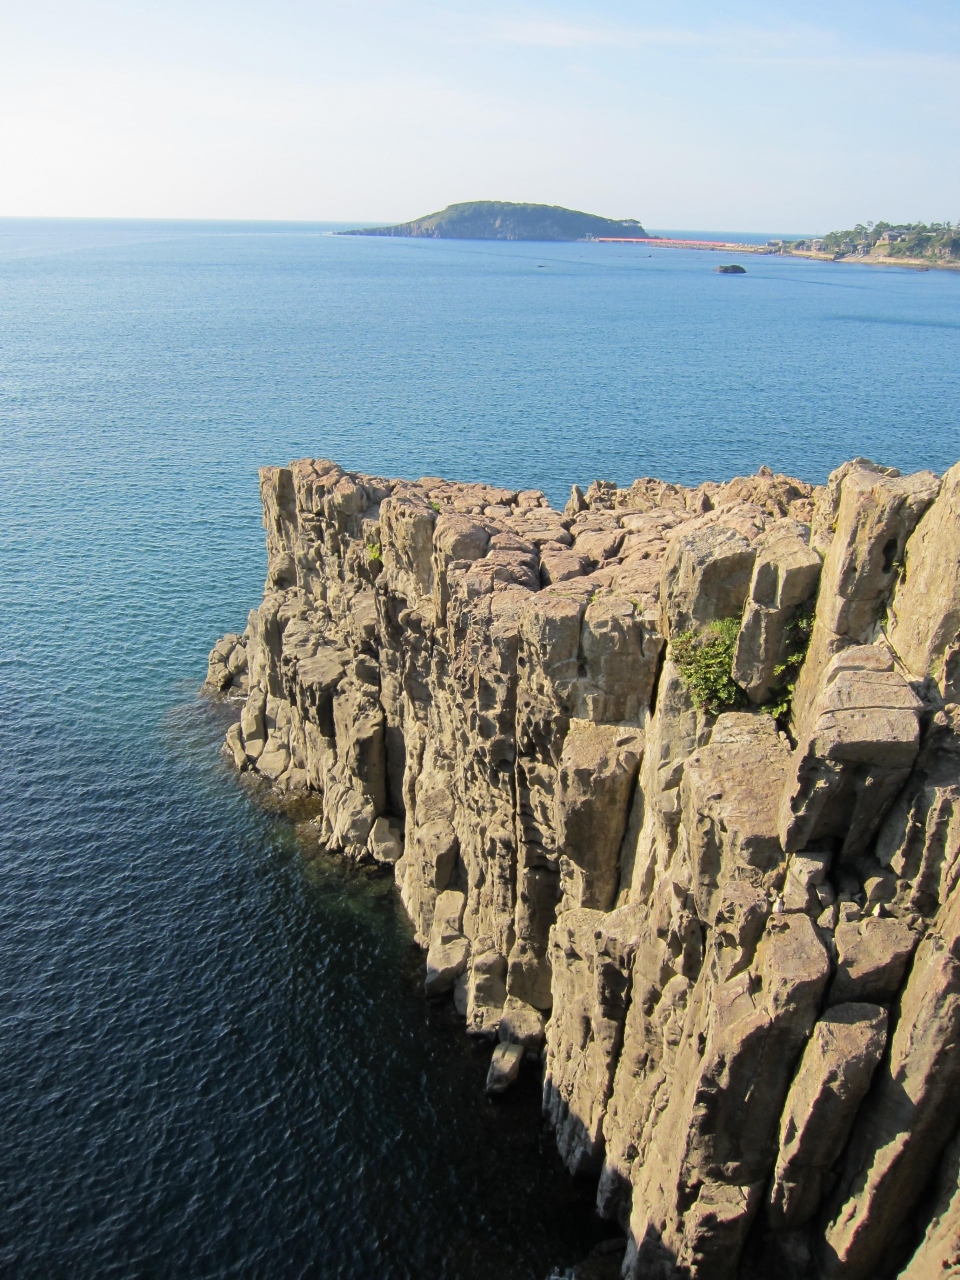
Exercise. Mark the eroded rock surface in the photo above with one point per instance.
(731, 942)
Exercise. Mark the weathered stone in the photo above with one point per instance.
(910, 1114)
(560, 566)
(924, 625)
(872, 957)
(449, 950)
(862, 742)
(591, 953)
(504, 1067)
(227, 665)
(486, 989)
(809, 868)
(252, 724)
(521, 1023)
(705, 576)
(595, 780)
(831, 1082)
(876, 515)
(938, 1254)
(785, 575)
(384, 842)
(729, 794)
(827, 508)
(620, 650)
(274, 759)
(234, 744)
(920, 839)
(699, 1177)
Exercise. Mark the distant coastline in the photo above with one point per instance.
(918, 246)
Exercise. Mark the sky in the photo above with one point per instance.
(691, 115)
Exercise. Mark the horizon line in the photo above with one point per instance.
(305, 222)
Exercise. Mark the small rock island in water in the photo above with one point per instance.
(734, 269)
(669, 782)
(500, 220)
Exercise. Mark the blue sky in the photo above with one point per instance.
(693, 115)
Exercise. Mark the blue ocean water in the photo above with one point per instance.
(216, 1060)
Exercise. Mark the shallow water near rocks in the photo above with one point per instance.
(216, 1058)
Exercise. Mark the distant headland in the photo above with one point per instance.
(501, 220)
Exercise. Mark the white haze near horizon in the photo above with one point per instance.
(742, 116)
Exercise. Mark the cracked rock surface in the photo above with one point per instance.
(730, 943)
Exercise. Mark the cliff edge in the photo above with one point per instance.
(670, 783)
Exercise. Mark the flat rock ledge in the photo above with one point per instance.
(725, 926)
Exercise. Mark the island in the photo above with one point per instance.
(733, 269)
(501, 220)
(667, 783)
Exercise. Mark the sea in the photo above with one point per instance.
(215, 1055)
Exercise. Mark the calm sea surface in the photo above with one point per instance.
(215, 1059)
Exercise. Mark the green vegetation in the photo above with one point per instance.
(436, 506)
(501, 220)
(374, 552)
(796, 640)
(705, 661)
(936, 242)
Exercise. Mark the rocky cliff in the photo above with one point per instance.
(670, 784)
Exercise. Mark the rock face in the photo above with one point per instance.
(731, 941)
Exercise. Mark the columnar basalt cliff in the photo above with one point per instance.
(670, 782)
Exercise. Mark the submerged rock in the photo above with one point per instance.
(735, 952)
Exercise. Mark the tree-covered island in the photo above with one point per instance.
(501, 220)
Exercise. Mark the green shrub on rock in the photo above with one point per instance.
(705, 661)
(796, 640)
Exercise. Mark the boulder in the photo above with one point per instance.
(504, 1067)
(385, 842)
